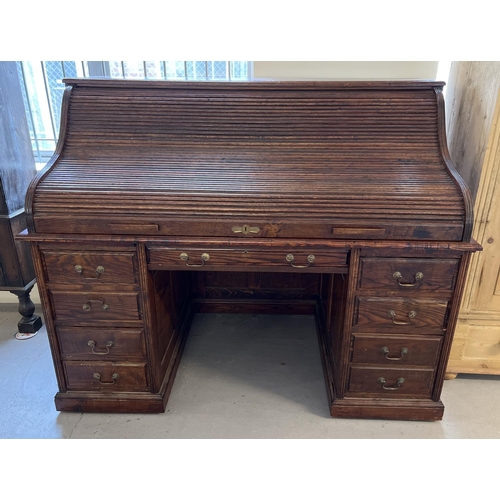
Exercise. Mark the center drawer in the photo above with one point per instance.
(245, 259)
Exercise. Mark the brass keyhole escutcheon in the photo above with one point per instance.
(246, 229)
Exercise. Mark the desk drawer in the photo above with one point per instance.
(233, 259)
(90, 267)
(105, 376)
(101, 343)
(411, 275)
(88, 307)
(401, 315)
(396, 349)
(391, 382)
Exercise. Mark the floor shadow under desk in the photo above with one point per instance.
(237, 356)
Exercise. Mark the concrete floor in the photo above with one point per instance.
(241, 376)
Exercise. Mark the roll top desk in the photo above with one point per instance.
(337, 199)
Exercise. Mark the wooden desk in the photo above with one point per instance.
(330, 198)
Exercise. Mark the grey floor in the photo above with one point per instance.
(241, 376)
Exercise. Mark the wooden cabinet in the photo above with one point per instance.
(17, 169)
(476, 348)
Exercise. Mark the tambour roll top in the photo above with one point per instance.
(339, 160)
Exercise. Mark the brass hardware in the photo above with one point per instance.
(99, 270)
(385, 350)
(92, 344)
(246, 229)
(97, 376)
(290, 258)
(87, 306)
(411, 315)
(382, 381)
(417, 277)
(185, 257)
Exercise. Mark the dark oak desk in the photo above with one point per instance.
(336, 199)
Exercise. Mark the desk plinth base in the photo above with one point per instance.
(387, 410)
(107, 403)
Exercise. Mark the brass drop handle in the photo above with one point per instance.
(98, 271)
(97, 376)
(92, 344)
(411, 315)
(88, 305)
(382, 381)
(417, 277)
(385, 350)
(290, 258)
(185, 258)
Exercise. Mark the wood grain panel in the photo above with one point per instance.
(117, 267)
(121, 307)
(388, 349)
(234, 259)
(264, 152)
(367, 381)
(130, 376)
(126, 343)
(437, 274)
(373, 313)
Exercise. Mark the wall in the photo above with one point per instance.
(10, 298)
(426, 70)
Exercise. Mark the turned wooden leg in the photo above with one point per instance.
(450, 376)
(29, 323)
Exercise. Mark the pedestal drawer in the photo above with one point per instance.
(394, 349)
(400, 314)
(105, 376)
(88, 307)
(408, 274)
(101, 343)
(390, 382)
(90, 267)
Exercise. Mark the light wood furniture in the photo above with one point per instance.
(336, 199)
(476, 348)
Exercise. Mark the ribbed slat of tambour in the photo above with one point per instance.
(352, 154)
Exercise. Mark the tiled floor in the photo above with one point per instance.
(241, 376)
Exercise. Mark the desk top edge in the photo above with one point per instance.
(256, 84)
